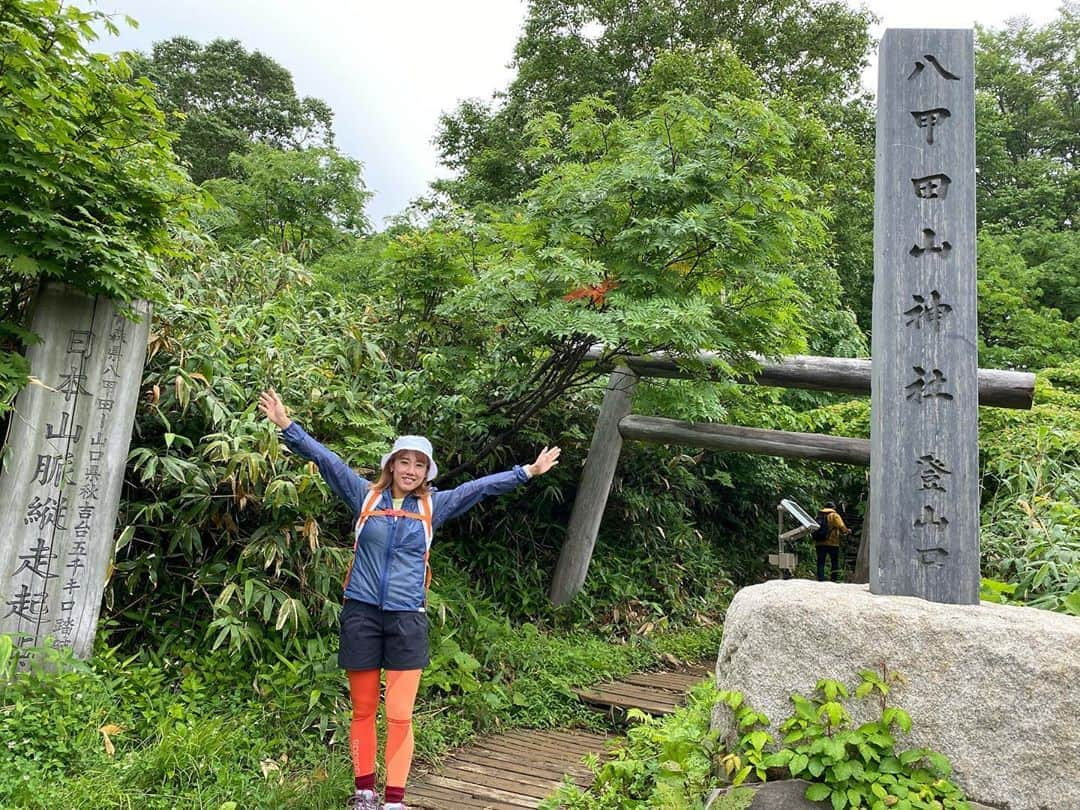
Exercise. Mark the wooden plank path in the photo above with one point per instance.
(518, 769)
(657, 693)
(507, 771)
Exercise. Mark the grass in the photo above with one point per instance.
(207, 730)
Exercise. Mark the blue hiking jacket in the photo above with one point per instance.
(388, 566)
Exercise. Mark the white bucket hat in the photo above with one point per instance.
(420, 445)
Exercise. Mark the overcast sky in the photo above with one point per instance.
(388, 69)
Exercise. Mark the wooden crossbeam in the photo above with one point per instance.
(841, 375)
(746, 440)
(1003, 389)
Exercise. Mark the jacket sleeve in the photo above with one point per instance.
(457, 501)
(345, 483)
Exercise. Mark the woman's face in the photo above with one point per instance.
(409, 469)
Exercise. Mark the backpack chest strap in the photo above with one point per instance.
(368, 510)
(395, 513)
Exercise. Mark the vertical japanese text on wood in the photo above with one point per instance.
(924, 441)
(65, 455)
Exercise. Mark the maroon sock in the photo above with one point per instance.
(366, 782)
(395, 794)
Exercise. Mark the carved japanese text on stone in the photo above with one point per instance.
(929, 120)
(930, 310)
(920, 66)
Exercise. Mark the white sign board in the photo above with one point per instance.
(799, 514)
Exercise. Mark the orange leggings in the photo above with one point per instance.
(401, 686)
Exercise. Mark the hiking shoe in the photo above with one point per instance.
(363, 800)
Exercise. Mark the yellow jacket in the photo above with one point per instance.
(836, 528)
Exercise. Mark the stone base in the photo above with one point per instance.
(787, 795)
(994, 688)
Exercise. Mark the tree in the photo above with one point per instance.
(570, 49)
(210, 495)
(1028, 147)
(833, 154)
(91, 193)
(1028, 188)
(681, 228)
(1055, 258)
(805, 56)
(301, 200)
(221, 99)
(1015, 329)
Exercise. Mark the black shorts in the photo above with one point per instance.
(373, 638)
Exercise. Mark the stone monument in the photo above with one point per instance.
(63, 466)
(924, 455)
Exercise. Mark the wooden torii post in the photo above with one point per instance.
(1003, 389)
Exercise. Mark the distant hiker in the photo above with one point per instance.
(384, 625)
(826, 539)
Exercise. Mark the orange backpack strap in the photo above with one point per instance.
(367, 510)
(425, 515)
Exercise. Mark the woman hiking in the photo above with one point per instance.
(383, 622)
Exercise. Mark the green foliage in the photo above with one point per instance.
(49, 717)
(678, 229)
(674, 762)
(738, 798)
(663, 763)
(91, 193)
(1015, 328)
(232, 543)
(183, 725)
(8, 658)
(303, 201)
(569, 51)
(1054, 257)
(14, 369)
(186, 728)
(225, 525)
(663, 554)
(857, 767)
(689, 207)
(850, 766)
(492, 671)
(833, 155)
(1030, 516)
(221, 99)
(1028, 133)
(1028, 191)
(800, 57)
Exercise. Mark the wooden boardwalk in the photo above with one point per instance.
(507, 771)
(519, 768)
(657, 693)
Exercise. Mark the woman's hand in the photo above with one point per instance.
(547, 459)
(273, 408)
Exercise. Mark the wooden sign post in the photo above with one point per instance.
(64, 462)
(924, 465)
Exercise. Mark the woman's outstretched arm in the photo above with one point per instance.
(345, 483)
(457, 501)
